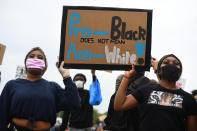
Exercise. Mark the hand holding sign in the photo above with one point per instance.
(130, 74)
(64, 72)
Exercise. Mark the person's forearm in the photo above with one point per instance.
(121, 94)
(72, 92)
(94, 77)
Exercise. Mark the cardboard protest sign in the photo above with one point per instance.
(2, 51)
(106, 38)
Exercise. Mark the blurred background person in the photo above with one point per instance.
(80, 119)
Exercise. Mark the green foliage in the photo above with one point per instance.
(96, 115)
(60, 114)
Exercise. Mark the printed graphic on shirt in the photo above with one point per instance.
(165, 98)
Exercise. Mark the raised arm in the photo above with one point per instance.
(154, 63)
(123, 102)
(69, 98)
(64, 72)
(93, 75)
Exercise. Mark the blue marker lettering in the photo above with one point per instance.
(83, 54)
(90, 55)
(76, 30)
(140, 48)
(72, 49)
(73, 22)
(86, 32)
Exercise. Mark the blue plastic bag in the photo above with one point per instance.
(95, 93)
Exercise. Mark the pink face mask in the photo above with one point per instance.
(35, 63)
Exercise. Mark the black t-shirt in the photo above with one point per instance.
(164, 109)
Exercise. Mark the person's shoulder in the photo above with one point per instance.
(147, 88)
(12, 81)
(12, 84)
(85, 91)
(186, 94)
(50, 83)
(150, 84)
(47, 81)
(187, 97)
(153, 84)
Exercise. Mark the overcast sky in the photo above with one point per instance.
(28, 23)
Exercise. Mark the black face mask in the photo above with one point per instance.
(170, 73)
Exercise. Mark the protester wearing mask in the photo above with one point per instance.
(31, 104)
(164, 106)
(82, 118)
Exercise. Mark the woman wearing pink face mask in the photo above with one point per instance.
(31, 104)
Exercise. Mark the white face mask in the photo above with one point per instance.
(79, 84)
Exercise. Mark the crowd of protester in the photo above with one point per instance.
(138, 103)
